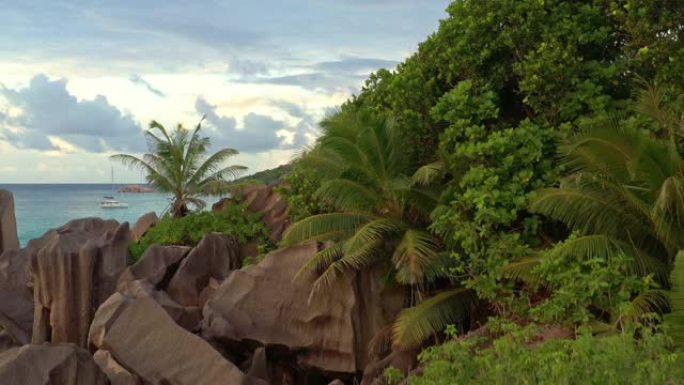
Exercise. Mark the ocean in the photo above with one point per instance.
(40, 207)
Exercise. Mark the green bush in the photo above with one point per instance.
(189, 230)
(511, 360)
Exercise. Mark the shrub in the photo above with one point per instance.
(510, 360)
(189, 230)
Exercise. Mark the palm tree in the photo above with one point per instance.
(380, 218)
(624, 195)
(177, 163)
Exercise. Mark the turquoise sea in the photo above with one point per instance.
(40, 207)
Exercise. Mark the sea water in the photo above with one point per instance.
(40, 207)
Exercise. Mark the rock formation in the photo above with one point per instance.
(16, 302)
(263, 199)
(73, 270)
(142, 337)
(134, 188)
(8, 222)
(262, 303)
(215, 256)
(49, 365)
(117, 374)
(156, 265)
(143, 224)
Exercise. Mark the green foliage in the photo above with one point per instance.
(517, 359)
(267, 176)
(623, 195)
(675, 320)
(393, 376)
(380, 217)
(178, 164)
(233, 221)
(494, 89)
(299, 189)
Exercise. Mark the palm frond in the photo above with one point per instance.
(321, 260)
(429, 173)
(347, 194)
(649, 302)
(324, 227)
(413, 256)
(416, 324)
(523, 270)
(588, 209)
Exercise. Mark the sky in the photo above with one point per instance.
(81, 80)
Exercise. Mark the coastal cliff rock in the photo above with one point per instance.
(142, 337)
(262, 303)
(143, 224)
(8, 222)
(16, 299)
(215, 256)
(49, 365)
(73, 270)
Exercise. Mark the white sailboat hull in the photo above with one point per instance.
(112, 204)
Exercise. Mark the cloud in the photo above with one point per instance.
(47, 110)
(346, 74)
(259, 132)
(355, 65)
(138, 80)
(246, 67)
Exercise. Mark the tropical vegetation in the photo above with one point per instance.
(521, 173)
(233, 220)
(178, 164)
(524, 166)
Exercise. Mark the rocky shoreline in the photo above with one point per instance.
(73, 310)
(136, 189)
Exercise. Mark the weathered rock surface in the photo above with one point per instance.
(187, 317)
(143, 224)
(63, 364)
(73, 270)
(8, 222)
(222, 204)
(16, 302)
(262, 303)
(7, 341)
(263, 199)
(142, 338)
(215, 257)
(156, 265)
(117, 374)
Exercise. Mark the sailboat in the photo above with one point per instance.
(109, 202)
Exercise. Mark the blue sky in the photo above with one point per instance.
(80, 80)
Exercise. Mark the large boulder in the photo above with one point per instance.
(156, 265)
(64, 364)
(143, 224)
(264, 304)
(16, 299)
(73, 270)
(215, 256)
(186, 317)
(141, 337)
(8, 222)
(264, 200)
